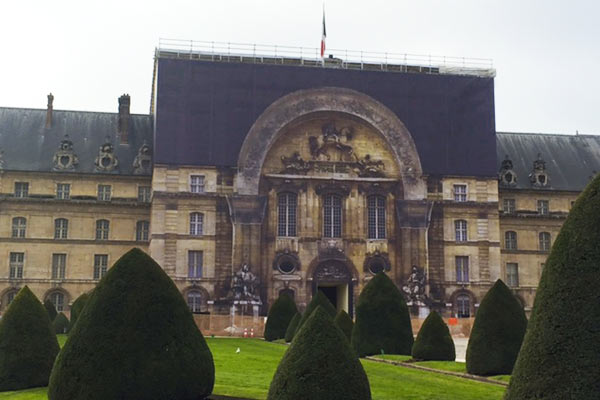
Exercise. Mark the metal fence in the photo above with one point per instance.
(335, 58)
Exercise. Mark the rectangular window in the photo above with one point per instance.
(16, 265)
(462, 269)
(512, 274)
(144, 194)
(63, 191)
(21, 189)
(100, 265)
(543, 207)
(508, 206)
(59, 265)
(332, 216)
(102, 227)
(194, 264)
(61, 228)
(460, 230)
(460, 193)
(197, 183)
(104, 192)
(142, 231)
(287, 214)
(376, 217)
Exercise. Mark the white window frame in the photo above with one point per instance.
(544, 244)
(58, 305)
(461, 233)
(144, 194)
(102, 229)
(511, 240)
(100, 265)
(61, 231)
(461, 264)
(510, 209)
(199, 186)
(142, 231)
(21, 189)
(459, 196)
(333, 216)
(195, 304)
(376, 217)
(104, 192)
(59, 270)
(287, 214)
(16, 263)
(196, 223)
(512, 277)
(61, 193)
(18, 227)
(195, 264)
(543, 207)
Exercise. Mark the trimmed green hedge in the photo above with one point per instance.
(434, 342)
(560, 357)
(135, 339)
(382, 320)
(28, 345)
(319, 299)
(497, 333)
(345, 323)
(281, 313)
(292, 327)
(319, 365)
(50, 309)
(77, 307)
(61, 323)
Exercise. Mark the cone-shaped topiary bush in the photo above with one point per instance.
(135, 339)
(60, 323)
(344, 322)
(319, 365)
(292, 327)
(497, 333)
(319, 299)
(28, 345)
(77, 307)
(382, 320)
(281, 313)
(560, 356)
(50, 309)
(434, 342)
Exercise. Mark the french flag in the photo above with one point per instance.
(324, 36)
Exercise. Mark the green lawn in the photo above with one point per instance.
(441, 365)
(249, 372)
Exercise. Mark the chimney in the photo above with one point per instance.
(49, 111)
(123, 122)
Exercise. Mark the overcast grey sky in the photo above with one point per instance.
(546, 52)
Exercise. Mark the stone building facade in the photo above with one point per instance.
(310, 178)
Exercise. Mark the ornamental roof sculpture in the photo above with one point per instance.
(106, 161)
(65, 158)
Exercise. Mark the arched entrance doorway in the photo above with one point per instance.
(334, 279)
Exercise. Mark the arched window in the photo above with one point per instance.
(142, 231)
(61, 228)
(510, 240)
(287, 204)
(196, 223)
(19, 224)
(463, 306)
(460, 230)
(376, 217)
(332, 216)
(102, 226)
(58, 299)
(545, 240)
(194, 300)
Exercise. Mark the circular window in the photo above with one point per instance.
(286, 266)
(376, 267)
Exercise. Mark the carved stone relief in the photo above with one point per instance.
(538, 176)
(142, 164)
(507, 175)
(65, 158)
(331, 152)
(106, 161)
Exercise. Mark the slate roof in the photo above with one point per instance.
(571, 160)
(28, 146)
(205, 109)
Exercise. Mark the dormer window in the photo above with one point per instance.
(460, 193)
(21, 189)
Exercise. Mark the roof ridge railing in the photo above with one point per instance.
(351, 59)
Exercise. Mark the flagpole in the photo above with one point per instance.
(323, 37)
